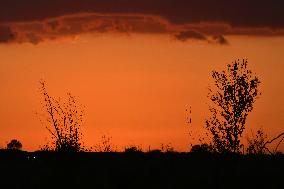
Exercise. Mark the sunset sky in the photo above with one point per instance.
(135, 65)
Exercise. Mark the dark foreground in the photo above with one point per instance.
(139, 170)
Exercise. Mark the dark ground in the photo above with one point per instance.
(139, 170)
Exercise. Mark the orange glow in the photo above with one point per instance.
(134, 88)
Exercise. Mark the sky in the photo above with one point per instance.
(135, 66)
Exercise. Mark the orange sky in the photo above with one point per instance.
(135, 87)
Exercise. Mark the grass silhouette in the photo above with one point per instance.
(110, 170)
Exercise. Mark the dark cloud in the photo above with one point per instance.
(190, 34)
(70, 26)
(252, 13)
(195, 35)
(6, 34)
(206, 20)
(33, 38)
(53, 24)
(219, 39)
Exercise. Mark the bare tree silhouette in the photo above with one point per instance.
(64, 121)
(279, 137)
(236, 90)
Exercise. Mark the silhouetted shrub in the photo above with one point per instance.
(256, 143)
(259, 144)
(14, 145)
(133, 149)
(156, 151)
(278, 153)
(168, 148)
(46, 148)
(64, 122)
(202, 148)
(105, 145)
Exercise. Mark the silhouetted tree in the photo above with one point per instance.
(14, 145)
(256, 144)
(105, 145)
(236, 90)
(64, 121)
